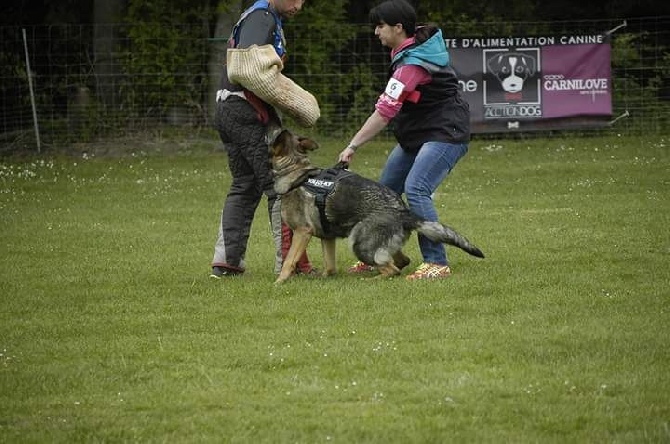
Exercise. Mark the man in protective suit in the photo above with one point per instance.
(253, 93)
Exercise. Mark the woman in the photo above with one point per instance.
(430, 118)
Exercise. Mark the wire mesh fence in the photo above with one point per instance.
(91, 82)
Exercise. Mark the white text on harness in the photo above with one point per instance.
(320, 183)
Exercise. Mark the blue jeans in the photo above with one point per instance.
(418, 175)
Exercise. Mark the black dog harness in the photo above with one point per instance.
(321, 186)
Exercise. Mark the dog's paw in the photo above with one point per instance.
(281, 279)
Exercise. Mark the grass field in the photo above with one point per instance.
(111, 331)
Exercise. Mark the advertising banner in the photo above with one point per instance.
(534, 83)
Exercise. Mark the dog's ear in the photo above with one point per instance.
(307, 144)
(279, 142)
(530, 64)
(494, 63)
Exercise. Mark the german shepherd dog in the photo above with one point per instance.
(337, 203)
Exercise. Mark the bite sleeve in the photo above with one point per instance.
(258, 69)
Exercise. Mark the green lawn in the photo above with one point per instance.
(111, 331)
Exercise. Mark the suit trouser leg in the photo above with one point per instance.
(244, 139)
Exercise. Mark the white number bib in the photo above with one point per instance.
(394, 89)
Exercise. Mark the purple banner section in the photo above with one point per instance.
(576, 81)
(534, 83)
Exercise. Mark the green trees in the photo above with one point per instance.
(113, 65)
(163, 57)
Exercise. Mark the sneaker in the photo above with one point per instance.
(219, 272)
(360, 267)
(430, 271)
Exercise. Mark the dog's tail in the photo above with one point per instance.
(438, 232)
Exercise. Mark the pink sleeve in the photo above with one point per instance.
(409, 75)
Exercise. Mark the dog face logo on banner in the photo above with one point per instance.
(512, 83)
(512, 69)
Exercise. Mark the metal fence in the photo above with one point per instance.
(89, 82)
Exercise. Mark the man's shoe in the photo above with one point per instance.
(430, 271)
(360, 267)
(219, 272)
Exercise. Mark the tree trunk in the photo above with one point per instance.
(224, 25)
(106, 13)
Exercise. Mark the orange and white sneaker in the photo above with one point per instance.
(430, 271)
(360, 267)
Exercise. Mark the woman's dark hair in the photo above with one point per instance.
(393, 12)
(425, 32)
